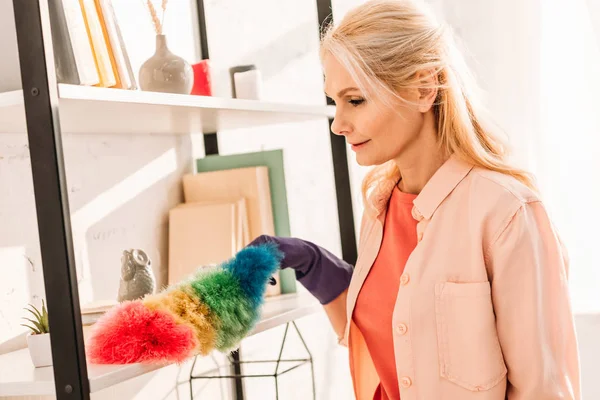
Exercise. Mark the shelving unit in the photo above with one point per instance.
(18, 377)
(119, 111)
(45, 110)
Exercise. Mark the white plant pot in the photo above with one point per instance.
(40, 349)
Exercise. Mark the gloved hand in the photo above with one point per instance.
(324, 275)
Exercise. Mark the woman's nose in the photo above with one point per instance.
(339, 126)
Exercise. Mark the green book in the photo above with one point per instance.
(273, 159)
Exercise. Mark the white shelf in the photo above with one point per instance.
(18, 376)
(115, 111)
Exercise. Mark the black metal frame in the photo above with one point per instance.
(211, 142)
(51, 199)
(51, 195)
(298, 362)
(340, 164)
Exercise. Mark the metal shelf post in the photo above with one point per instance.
(40, 94)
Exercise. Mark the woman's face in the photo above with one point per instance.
(376, 132)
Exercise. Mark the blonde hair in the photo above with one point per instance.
(386, 45)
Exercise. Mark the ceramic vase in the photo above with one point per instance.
(165, 71)
(40, 349)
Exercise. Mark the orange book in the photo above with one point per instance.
(117, 45)
(99, 45)
(111, 51)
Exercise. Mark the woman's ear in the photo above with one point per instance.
(427, 91)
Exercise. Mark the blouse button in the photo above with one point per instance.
(405, 382)
(401, 329)
(404, 279)
(416, 214)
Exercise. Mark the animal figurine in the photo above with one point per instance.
(215, 308)
(137, 278)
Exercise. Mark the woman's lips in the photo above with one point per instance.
(359, 145)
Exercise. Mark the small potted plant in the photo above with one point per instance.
(38, 340)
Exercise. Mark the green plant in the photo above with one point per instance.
(40, 321)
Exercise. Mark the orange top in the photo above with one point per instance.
(377, 298)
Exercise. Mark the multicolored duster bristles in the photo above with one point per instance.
(214, 309)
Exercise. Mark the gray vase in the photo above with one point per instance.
(166, 72)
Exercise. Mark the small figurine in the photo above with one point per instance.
(137, 278)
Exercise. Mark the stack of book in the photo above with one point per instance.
(229, 202)
(88, 45)
(222, 213)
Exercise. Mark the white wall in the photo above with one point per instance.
(122, 186)
(280, 37)
(522, 53)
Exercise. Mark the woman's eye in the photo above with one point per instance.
(356, 102)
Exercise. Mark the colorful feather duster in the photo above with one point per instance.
(213, 309)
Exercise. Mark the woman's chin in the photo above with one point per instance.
(368, 159)
(365, 161)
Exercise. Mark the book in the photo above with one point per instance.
(91, 312)
(102, 18)
(80, 43)
(64, 57)
(251, 183)
(100, 48)
(274, 161)
(99, 306)
(10, 70)
(73, 58)
(117, 44)
(203, 234)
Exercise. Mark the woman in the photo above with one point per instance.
(460, 288)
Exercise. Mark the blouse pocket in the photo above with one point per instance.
(468, 345)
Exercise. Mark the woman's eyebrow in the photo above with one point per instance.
(343, 91)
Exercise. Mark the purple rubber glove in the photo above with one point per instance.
(324, 275)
